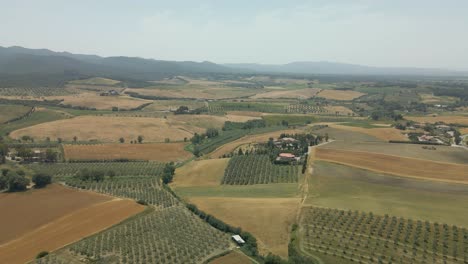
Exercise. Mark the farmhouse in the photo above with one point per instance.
(286, 141)
(238, 239)
(286, 157)
(109, 93)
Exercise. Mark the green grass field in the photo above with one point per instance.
(35, 118)
(346, 136)
(273, 120)
(9, 112)
(278, 190)
(343, 187)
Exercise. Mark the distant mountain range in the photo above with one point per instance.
(324, 67)
(18, 60)
(22, 66)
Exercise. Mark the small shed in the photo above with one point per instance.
(238, 239)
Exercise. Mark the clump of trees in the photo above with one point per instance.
(3, 153)
(42, 254)
(250, 124)
(140, 139)
(93, 175)
(210, 133)
(168, 173)
(41, 180)
(13, 181)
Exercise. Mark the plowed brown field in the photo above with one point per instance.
(151, 151)
(409, 167)
(50, 218)
(232, 258)
(463, 120)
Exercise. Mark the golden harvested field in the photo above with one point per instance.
(96, 81)
(343, 95)
(231, 146)
(200, 173)
(293, 94)
(464, 130)
(109, 129)
(407, 167)
(197, 91)
(163, 152)
(207, 121)
(268, 219)
(168, 105)
(340, 109)
(232, 258)
(384, 133)
(245, 113)
(50, 218)
(463, 120)
(94, 100)
(431, 98)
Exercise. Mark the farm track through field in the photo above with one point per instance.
(304, 186)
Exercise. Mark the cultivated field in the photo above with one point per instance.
(288, 94)
(108, 129)
(339, 110)
(172, 105)
(233, 257)
(440, 154)
(365, 237)
(163, 152)
(384, 133)
(173, 235)
(346, 134)
(231, 146)
(463, 120)
(432, 99)
(343, 187)
(269, 220)
(200, 173)
(258, 169)
(409, 167)
(95, 81)
(94, 100)
(9, 112)
(343, 95)
(138, 188)
(38, 220)
(278, 190)
(119, 168)
(207, 121)
(198, 91)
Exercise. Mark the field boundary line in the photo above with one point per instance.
(390, 155)
(393, 173)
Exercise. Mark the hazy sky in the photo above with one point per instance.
(421, 33)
